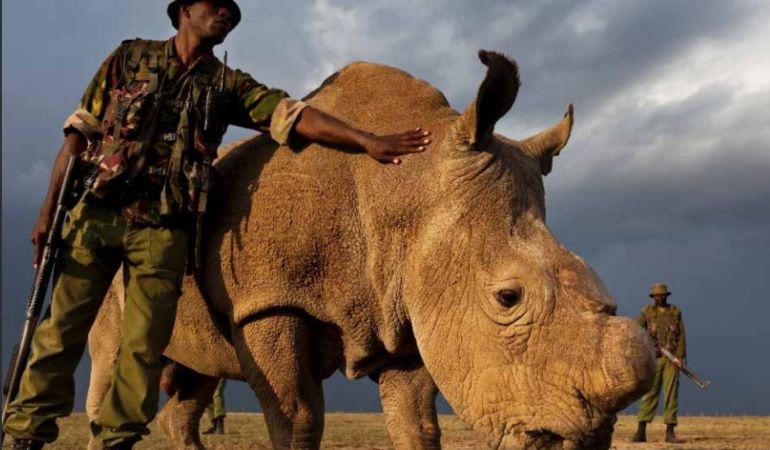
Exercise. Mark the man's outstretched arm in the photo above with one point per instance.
(272, 110)
(318, 126)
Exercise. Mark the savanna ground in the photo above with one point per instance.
(367, 431)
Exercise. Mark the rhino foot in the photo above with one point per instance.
(180, 417)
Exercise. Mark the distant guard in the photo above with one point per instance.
(216, 410)
(664, 323)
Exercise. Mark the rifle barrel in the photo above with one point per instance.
(681, 366)
(224, 71)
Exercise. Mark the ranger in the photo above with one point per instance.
(216, 409)
(149, 123)
(664, 323)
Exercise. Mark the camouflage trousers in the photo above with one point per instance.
(666, 376)
(97, 242)
(216, 408)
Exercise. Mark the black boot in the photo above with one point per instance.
(213, 428)
(670, 435)
(641, 433)
(220, 425)
(27, 444)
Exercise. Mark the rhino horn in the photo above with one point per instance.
(495, 97)
(548, 143)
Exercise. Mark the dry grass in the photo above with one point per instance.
(367, 431)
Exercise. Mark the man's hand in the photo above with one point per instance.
(387, 149)
(39, 237)
(318, 126)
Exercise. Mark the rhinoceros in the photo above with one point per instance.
(437, 275)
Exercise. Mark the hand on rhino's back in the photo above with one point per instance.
(447, 257)
(373, 97)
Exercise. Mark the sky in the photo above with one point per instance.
(665, 178)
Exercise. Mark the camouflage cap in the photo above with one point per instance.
(173, 10)
(659, 289)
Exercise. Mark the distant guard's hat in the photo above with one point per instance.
(659, 289)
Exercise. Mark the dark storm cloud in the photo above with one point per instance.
(593, 51)
(672, 189)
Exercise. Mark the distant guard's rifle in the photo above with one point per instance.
(680, 364)
(39, 289)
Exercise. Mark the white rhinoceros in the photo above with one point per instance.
(437, 275)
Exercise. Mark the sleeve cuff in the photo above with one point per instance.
(285, 115)
(84, 122)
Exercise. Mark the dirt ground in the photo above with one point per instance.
(367, 431)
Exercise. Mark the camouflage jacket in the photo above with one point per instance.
(666, 327)
(143, 115)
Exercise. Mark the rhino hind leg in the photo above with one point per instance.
(408, 395)
(103, 344)
(275, 351)
(190, 392)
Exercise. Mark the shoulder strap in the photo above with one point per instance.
(649, 312)
(153, 67)
(135, 53)
(145, 62)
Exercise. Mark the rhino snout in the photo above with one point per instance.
(627, 365)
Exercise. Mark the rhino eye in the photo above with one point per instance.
(509, 297)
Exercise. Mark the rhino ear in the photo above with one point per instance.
(495, 97)
(549, 142)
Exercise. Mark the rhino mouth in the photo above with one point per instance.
(542, 438)
(578, 424)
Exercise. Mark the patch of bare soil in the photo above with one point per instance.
(367, 431)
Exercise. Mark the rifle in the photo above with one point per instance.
(680, 364)
(39, 288)
(216, 106)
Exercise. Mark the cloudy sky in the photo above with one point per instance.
(665, 178)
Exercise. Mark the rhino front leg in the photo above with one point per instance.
(275, 355)
(190, 392)
(408, 396)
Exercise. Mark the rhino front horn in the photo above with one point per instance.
(549, 142)
(495, 97)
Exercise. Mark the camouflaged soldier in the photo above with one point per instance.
(148, 126)
(216, 409)
(666, 327)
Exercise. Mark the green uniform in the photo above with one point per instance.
(216, 408)
(143, 117)
(666, 327)
(144, 113)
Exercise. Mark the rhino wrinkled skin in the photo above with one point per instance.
(439, 274)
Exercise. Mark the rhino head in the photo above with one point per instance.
(519, 333)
